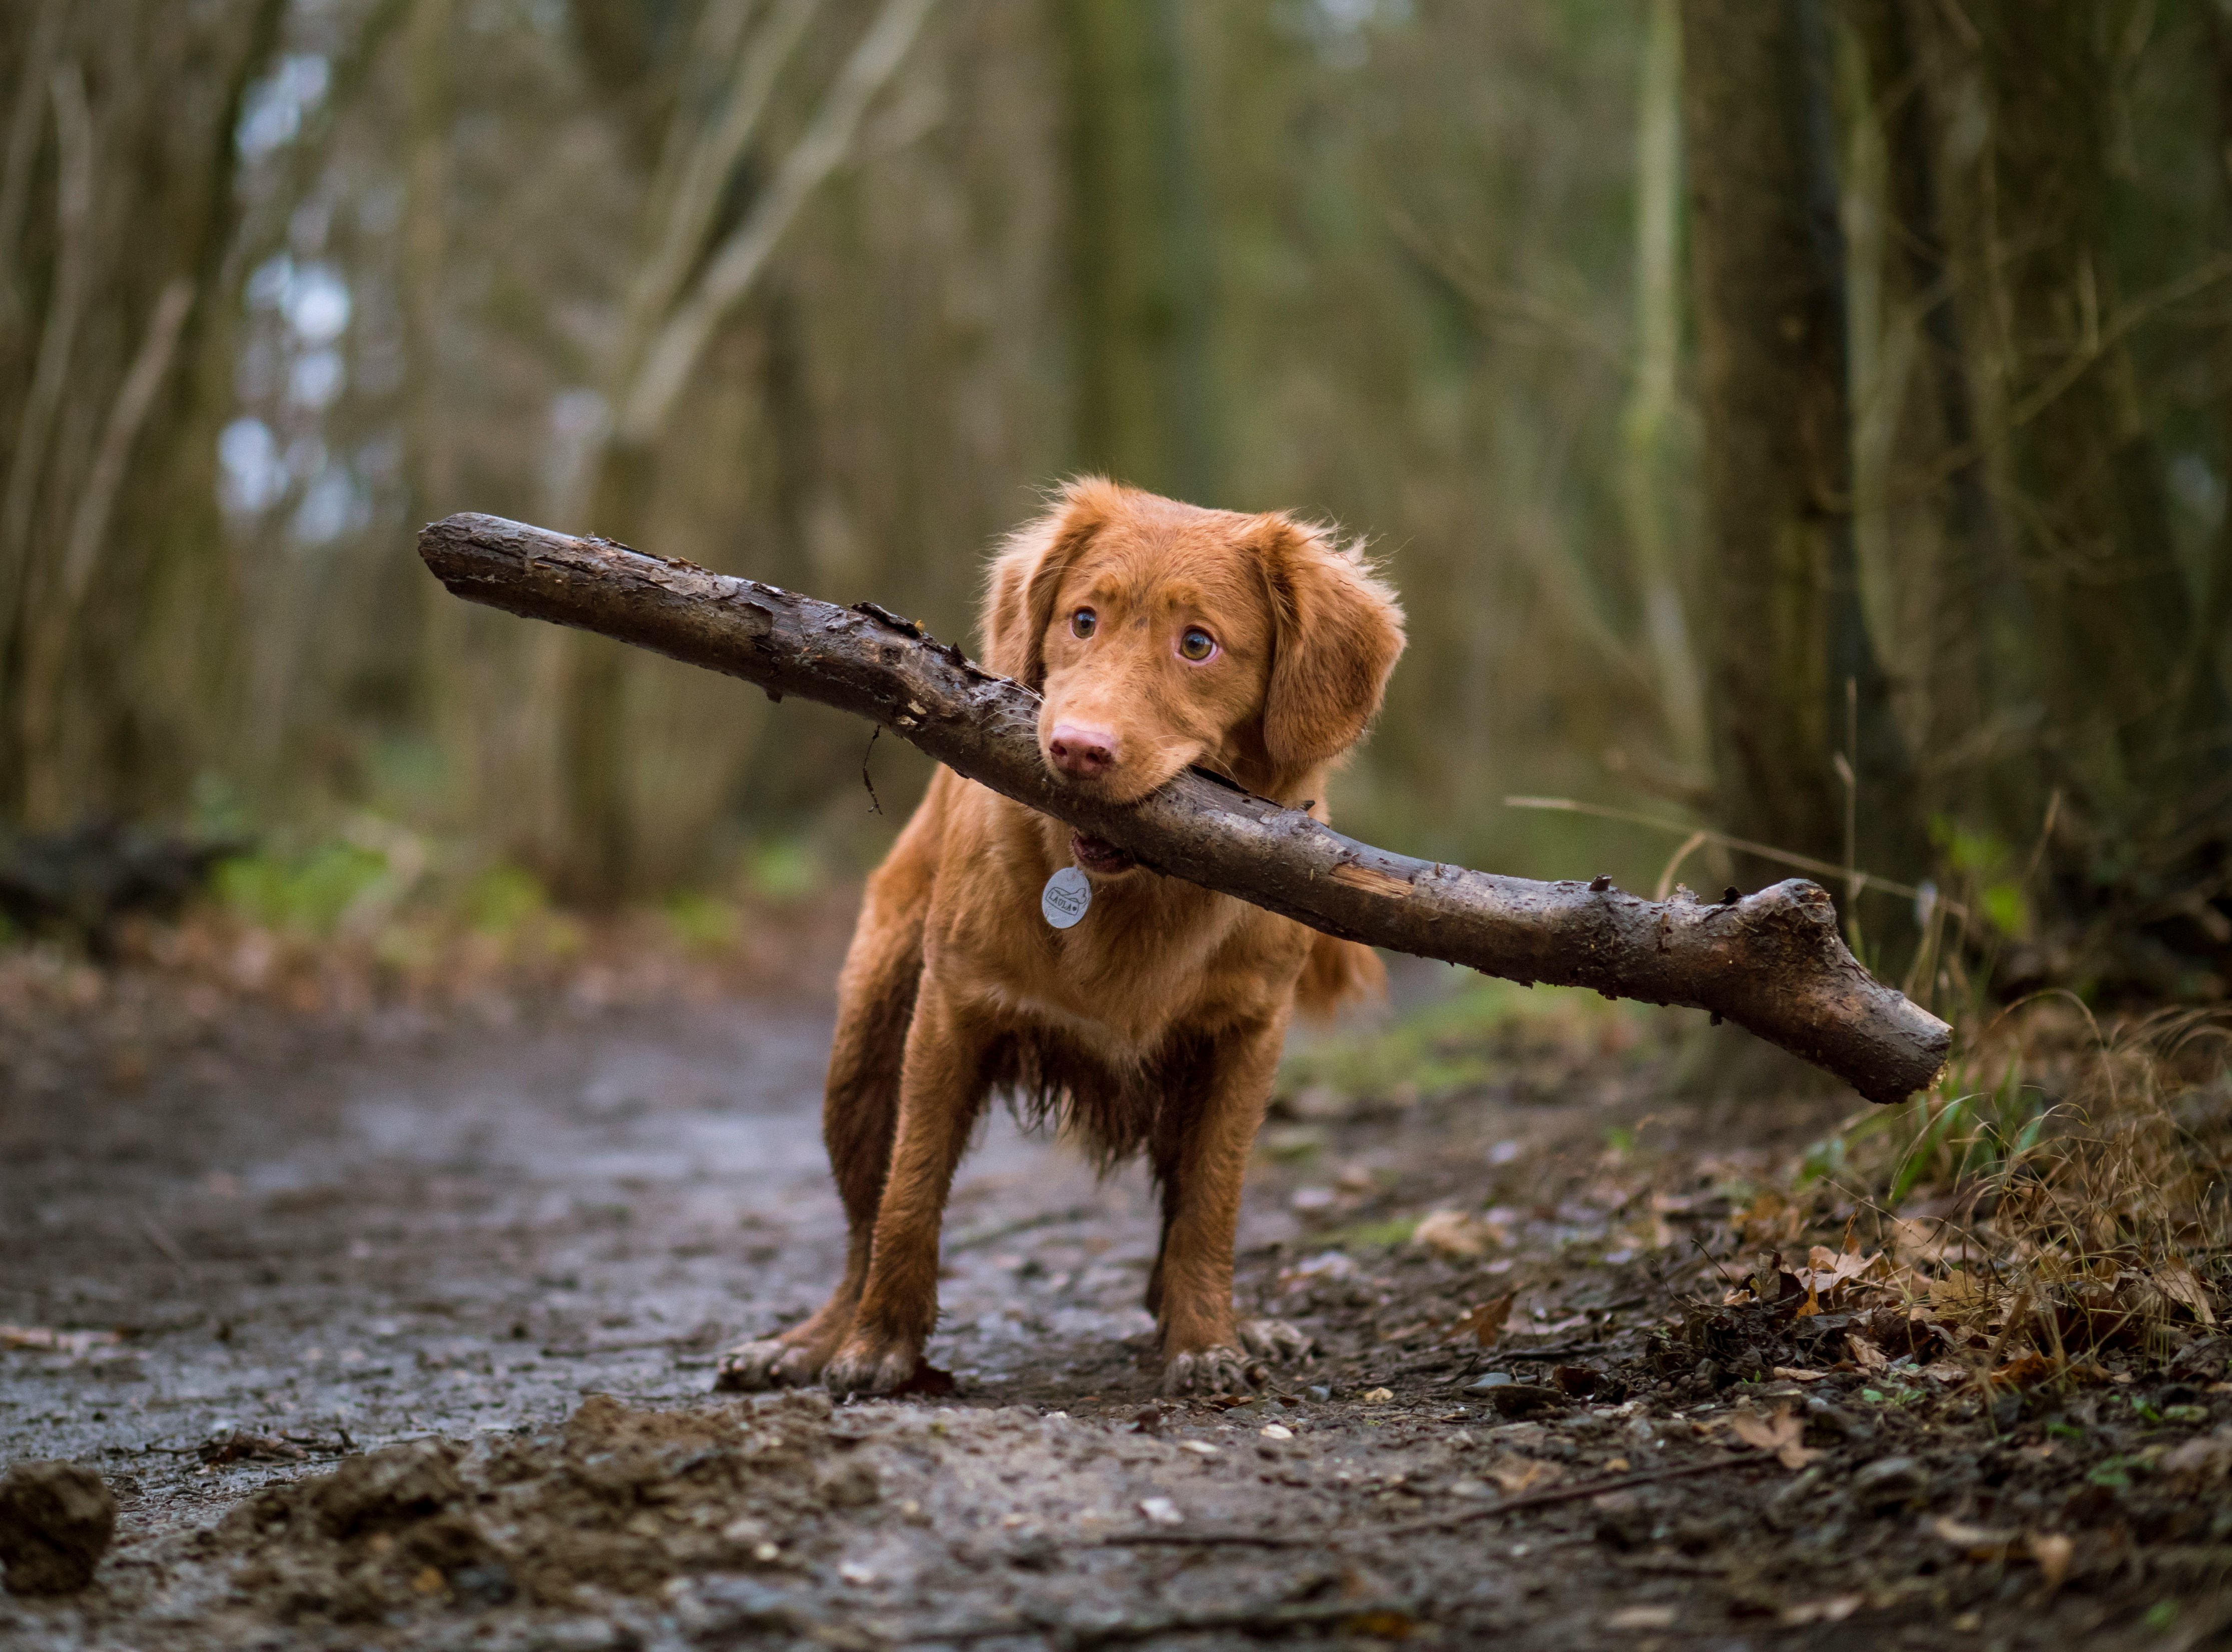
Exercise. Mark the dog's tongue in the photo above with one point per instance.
(1098, 854)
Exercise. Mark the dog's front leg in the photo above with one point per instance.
(1204, 1349)
(941, 1088)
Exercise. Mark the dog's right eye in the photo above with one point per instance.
(1082, 622)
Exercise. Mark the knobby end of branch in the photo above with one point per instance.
(1811, 995)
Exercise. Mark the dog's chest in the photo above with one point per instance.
(1120, 988)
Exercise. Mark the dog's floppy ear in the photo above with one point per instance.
(1027, 575)
(1337, 632)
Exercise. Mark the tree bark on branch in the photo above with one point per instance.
(1772, 963)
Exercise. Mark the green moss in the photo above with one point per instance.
(309, 892)
(504, 897)
(701, 921)
(1466, 1041)
(1367, 1235)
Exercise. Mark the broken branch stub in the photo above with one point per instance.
(1772, 963)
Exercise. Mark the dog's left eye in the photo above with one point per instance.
(1082, 622)
(1196, 645)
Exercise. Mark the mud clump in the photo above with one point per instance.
(56, 1520)
(618, 1500)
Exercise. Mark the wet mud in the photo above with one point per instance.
(399, 1330)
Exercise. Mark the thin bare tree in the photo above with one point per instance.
(694, 275)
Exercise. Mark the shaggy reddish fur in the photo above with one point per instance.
(1154, 1025)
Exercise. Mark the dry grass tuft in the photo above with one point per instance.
(2059, 1199)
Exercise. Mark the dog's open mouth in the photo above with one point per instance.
(1099, 855)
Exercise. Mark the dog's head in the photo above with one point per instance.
(1162, 635)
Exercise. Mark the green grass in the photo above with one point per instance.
(1366, 1235)
(308, 892)
(1466, 1041)
(1960, 1129)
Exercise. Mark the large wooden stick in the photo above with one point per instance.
(1772, 962)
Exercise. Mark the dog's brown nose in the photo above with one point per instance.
(1081, 751)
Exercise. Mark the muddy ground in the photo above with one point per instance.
(418, 1313)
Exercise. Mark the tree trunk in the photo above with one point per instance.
(2113, 608)
(1772, 961)
(1792, 682)
(1959, 614)
(696, 270)
(1140, 250)
(1645, 425)
(2206, 672)
(116, 208)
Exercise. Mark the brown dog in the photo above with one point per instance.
(1160, 636)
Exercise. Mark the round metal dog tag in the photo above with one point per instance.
(1065, 898)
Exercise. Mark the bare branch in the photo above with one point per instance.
(691, 197)
(738, 261)
(54, 621)
(1772, 962)
(50, 377)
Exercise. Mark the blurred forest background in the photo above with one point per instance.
(1800, 424)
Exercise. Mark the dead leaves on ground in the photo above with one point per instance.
(1484, 1322)
(1781, 1434)
(2051, 1551)
(1514, 1475)
(1456, 1234)
(2032, 1317)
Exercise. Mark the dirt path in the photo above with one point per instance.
(328, 1246)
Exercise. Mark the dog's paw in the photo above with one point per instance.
(1276, 1340)
(869, 1364)
(1213, 1371)
(752, 1366)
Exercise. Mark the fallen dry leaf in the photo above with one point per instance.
(1978, 1542)
(1919, 1239)
(1792, 1373)
(2180, 1284)
(2203, 1459)
(1483, 1323)
(1575, 1381)
(1957, 1290)
(2052, 1550)
(1835, 1609)
(1768, 1221)
(1839, 1265)
(2027, 1371)
(1641, 1617)
(1515, 1475)
(1779, 1433)
(1454, 1233)
(1866, 1354)
(60, 1341)
(1555, 1327)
